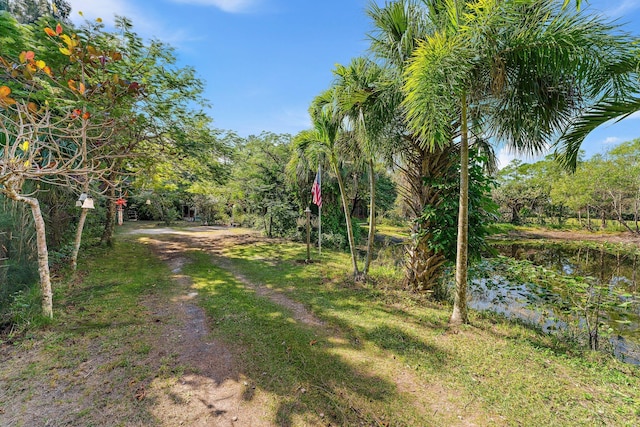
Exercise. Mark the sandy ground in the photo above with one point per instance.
(626, 238)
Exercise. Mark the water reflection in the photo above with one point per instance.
(616, 270)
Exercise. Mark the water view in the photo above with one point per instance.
(586, 291)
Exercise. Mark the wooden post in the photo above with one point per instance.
(308, 212)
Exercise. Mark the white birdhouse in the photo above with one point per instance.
(88, 203)
(81, 199)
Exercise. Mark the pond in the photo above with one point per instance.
(566, 288)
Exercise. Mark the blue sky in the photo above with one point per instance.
(263, 61)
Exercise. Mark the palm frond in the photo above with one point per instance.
(568, 145)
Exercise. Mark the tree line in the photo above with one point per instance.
(602, 189)
(87, 111)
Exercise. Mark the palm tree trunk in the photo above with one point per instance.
(459, 314)
(372, 217)
(347, 216)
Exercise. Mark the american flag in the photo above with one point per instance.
(316, 191)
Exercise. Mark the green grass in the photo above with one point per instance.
(504, 373)
(570, 224)
(93, 354)
(382, 357)
(393, 231)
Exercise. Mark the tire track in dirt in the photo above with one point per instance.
(210, 389)
(220, 385)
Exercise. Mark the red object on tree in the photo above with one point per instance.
(121, 202)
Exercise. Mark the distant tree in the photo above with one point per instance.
(61, 10)
(259, 176)
(28, 11)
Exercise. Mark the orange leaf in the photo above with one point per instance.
(47, 70)
(32, 106)
(58, 29)
(5, 100)
(116, 56)
(81, 88)
(29, 55)
(86, 115)
(72, 84)
(50, 32)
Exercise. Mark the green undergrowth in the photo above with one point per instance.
(492, 373)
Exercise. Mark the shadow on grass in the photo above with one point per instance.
(534, 335)
(301, 365)
(278, 266)
(403, 344)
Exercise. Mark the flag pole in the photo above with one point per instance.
(320, 213)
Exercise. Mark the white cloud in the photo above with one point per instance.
(612, 140)
(622, 8)
(105, 10)
(231, 6)
(504, 157)
(143, 25)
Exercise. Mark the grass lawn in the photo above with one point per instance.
(492, 372)
(381, 356)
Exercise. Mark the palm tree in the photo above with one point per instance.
(520, 71)
(398, 27)
(322, 143)
(361, 96)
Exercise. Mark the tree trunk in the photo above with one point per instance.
(347, 216)
(109, 224)
(78, 239)
(515, 217)
(372, 217)
(43, 253)
(459, 314)
(589, 219)
(423, 265)
(580, 218)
